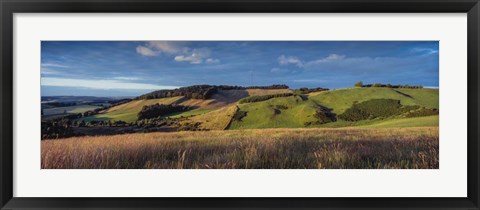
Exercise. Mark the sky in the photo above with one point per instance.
(132, 68)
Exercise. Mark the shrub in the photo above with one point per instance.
(281, 106)
(375, 108)
(421, 112)
(158, 110)
(55, 129)
(239, 115)
(323, 115)
(305, 90)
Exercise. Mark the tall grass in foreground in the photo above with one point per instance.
(349, 148)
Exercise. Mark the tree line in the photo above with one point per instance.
(201, 91)
(305, 90)
(158, 110)
(360, 84)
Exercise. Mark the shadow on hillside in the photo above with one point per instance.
(229, 96)
(403, 94)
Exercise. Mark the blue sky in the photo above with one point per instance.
(130, 68)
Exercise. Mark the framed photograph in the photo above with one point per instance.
(239, 105)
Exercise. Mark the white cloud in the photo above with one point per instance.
(331, 57)
(155, 48)
(54, 65)
(293, 60)
(172, 47)
(212, 61)
(426, 51)
(178, 50)
(127, 78)
(286, 60)
(145, 51)
(48, 71)
(100, 84)
(195, 56)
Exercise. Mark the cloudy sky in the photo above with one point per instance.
(92, 68)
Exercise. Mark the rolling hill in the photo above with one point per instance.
(128, 111)
(222, 110)
(341, 99)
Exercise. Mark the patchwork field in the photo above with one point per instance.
(128, 111)
(282, 112)
(69, 109)
(317, 148)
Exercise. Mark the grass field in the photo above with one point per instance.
(219, 119)
(282, 112)
(254, 92)
(406, 122)
(342, 99)
(427, 121)
(188, 113)
(128, 111)
(265, 114)
(366, 148)
(69, 109)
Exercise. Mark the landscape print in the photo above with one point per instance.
(239, 105)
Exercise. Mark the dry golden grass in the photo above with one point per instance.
(201, 103)
(253, 92)
(138, 104)
(215, 120)
(250, 149)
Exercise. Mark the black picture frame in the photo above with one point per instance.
(10, 7)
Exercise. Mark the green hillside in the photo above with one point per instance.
(342, 99)
(283, 112)
(287, 111)
(300, 113)
(406, 122)
(128, 111)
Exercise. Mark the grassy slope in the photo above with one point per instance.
(189, 113)
(342, 99)
(254, 92)
(424, 97)
(128, 112)
(262, 114)
(387, 123)
(406, 122)
(216, 120)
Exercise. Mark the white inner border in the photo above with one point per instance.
(448, 181)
